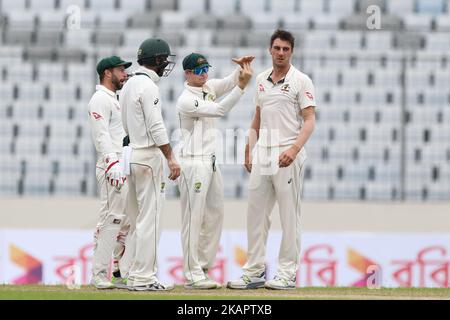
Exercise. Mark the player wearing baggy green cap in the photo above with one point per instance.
(107, 133)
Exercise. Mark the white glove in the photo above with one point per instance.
(114, 172)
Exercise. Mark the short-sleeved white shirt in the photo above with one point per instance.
(280, 106)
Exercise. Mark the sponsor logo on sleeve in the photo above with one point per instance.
(309, 95)
(261, 88)
(95, 115)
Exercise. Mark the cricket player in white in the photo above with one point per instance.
(107, 133)
(201, 186)
(143, 122)
(283, 122)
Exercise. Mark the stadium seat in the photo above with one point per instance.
(11, 5)
(149, 20)
(415, 22)
(24, 111)
(108, 38)
(434, 7)
(50, 38)
(173, 20)
(286, 6)
(51, 20)
(312, 8)
(378, 40)
(225, 8)
(133, 38)
(265, 22)
(163, 5)
(325, 22)
(64, 4)
(442, 23)
(438, 42)
(103, 5)
(340, 7)
(296, 22)
(400, 7)
(254, 6)
(112, 20)
(192, 7)
(132, 7)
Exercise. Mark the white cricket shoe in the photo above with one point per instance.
(203, 284)
(154, 286)
(246, 282)
(280, 284)
(119, 282)
(100, 281)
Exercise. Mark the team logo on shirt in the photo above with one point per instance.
(163, 187)
(261, 88)
(156, 101)
(285, 87)
(198, 187)
(95, 115)
(309, 95)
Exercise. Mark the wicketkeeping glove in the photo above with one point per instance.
(114, 172)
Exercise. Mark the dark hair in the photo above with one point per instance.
(283, 35)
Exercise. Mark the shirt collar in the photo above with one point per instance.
(200, 91)
(285, 78)
(152, 74)
(105, 89)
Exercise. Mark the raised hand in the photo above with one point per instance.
(245, 59)
(245, 75)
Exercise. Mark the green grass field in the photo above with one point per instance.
(41, 292)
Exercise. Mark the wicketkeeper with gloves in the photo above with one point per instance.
(105, 119)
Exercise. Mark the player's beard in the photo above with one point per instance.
(116, 83)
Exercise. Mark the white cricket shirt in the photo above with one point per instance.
(141, 110)
(105, 120)
(197, 111)
(280, 106)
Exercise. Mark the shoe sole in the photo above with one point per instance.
(104, 287)
(147, 289)
(167, 289)
(201, 288)
(278, 288)
(250, 286)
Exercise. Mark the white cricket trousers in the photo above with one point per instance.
(112, 224)
(146, 190)
(202, 210)
(268, 184)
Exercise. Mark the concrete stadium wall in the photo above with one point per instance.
(81, 213)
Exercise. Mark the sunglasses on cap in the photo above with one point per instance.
(200, 70)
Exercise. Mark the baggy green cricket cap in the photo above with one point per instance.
(111, 62)
(194, 60)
